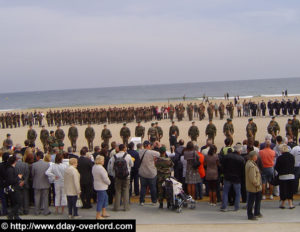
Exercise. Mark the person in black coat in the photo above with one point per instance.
(134, 175)
(285, 168)
(3, 197)
(84, 167)
(13, 182)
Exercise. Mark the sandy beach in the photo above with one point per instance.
(19, 134)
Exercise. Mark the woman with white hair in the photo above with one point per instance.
(285, 168)
(101, 183)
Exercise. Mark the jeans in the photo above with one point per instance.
(102, 200)
(122, 191)
(253, 198)
(145, 182)
(237, 189)
(134, 177)
(72, 205)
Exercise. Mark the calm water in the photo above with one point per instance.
(136, 94)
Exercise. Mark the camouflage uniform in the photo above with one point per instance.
(289, 130)
(160, 132)
(59, 135)
(228, 130)
(73, 135)
(31, 135)
(251, 130)
(163, 165)
(152, 134)
(172, 129)
(44, 135)
(51, 143)
(295, 129)
(125, 134)
(193, 133)
(211, 132)
(106, 135)
(90, 135)
(140, 131)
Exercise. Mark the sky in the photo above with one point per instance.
(67, 44)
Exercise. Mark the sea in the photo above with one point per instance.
(148, 93)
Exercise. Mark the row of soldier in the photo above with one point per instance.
(146, 114)
(155, 133)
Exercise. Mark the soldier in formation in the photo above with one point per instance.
(251, 130)
(44, 135)
(159, 131)
(152, 133)
(228, 129)
(106, 135)
(211, 131)
(140, 131)
(73, 136)
(193, 132)
(59, 134)
(31, 135)
(172, 129)
(90, 136)
(125, 134)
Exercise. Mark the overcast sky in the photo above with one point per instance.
(65, 44)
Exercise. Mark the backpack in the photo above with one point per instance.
(120, 167)
(196, 161)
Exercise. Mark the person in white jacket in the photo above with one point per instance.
(101, 183)
(55, 174)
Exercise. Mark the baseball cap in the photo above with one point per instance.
(146, 143)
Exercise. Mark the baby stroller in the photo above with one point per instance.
(176, 197)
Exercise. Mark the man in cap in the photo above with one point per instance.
(211, 131)
(251, 130)
(125, 134)
(73, 136)
(8, 143)
(228, 129)
(152, 133)
(193, 132)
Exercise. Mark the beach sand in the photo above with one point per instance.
(19, 134)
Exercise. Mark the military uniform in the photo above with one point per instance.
(51, 143)
(44, 135)
(160, 132)
(251, 130)
(172, 129)
(163, 165)
(289, 130)
(211, 132)
(193, 133)
(31, 135)
(125, 134)
(59, 135)
(210, 112)
(140, 132)
(153, 134)
(228, 130)
(90, 135)
(106, 135)
(295, 129)
(73, 135)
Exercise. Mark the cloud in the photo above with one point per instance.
(44, 48)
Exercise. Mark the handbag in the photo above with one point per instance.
(275, 180)
(196, 161)
(78, 203)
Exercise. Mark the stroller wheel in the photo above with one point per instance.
(179, 210)
(193, 205)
